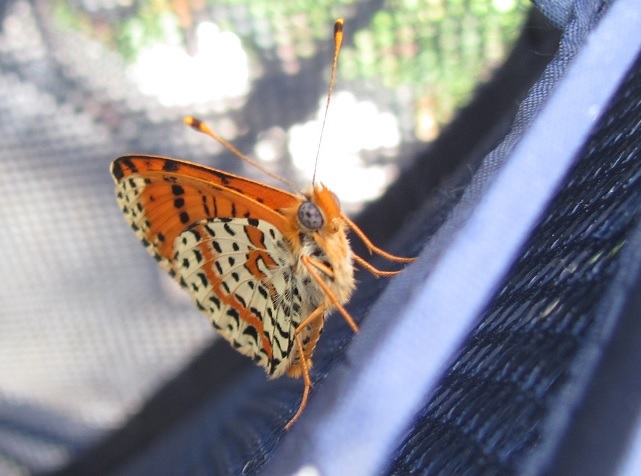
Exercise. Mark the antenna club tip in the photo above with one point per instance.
(338, 26)
(194, 123)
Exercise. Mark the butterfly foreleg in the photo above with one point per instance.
(375, 271)
(373, 248)
(303, 359)
(314, 267)
(306, 379)
(309, 319)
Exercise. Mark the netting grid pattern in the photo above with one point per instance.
(489, 413)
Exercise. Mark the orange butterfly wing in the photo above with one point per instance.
(221, 236)
(175, 194)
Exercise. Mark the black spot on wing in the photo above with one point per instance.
(283, 333)
(251, 332)
(274, 365)
(233, 313)
(221, 176)
(116, 167)
(215, 301)
(263, 292)
(258, 314)
(240, 299)
(229, 229)
(170, 166)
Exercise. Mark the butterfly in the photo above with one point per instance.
(266, 266)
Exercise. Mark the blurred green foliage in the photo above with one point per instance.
(440, 49)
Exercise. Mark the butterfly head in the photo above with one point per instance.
(320, 212)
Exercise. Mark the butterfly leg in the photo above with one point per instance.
(373, 248)
(314, 267)
(375, 271)
(306, 379)
(314, 325)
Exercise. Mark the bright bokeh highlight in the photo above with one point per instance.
(217, 70)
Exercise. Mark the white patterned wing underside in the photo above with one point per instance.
(241, 274)
(128, 197)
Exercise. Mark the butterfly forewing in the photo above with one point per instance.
(161, 197)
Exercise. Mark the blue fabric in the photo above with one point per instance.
(559, 12)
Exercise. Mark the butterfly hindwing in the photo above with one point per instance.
(241, 274)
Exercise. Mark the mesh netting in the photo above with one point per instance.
(493, 408)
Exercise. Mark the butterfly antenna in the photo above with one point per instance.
(338, 39)
(200, 126)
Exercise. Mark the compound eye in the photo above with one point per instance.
(310, 216)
